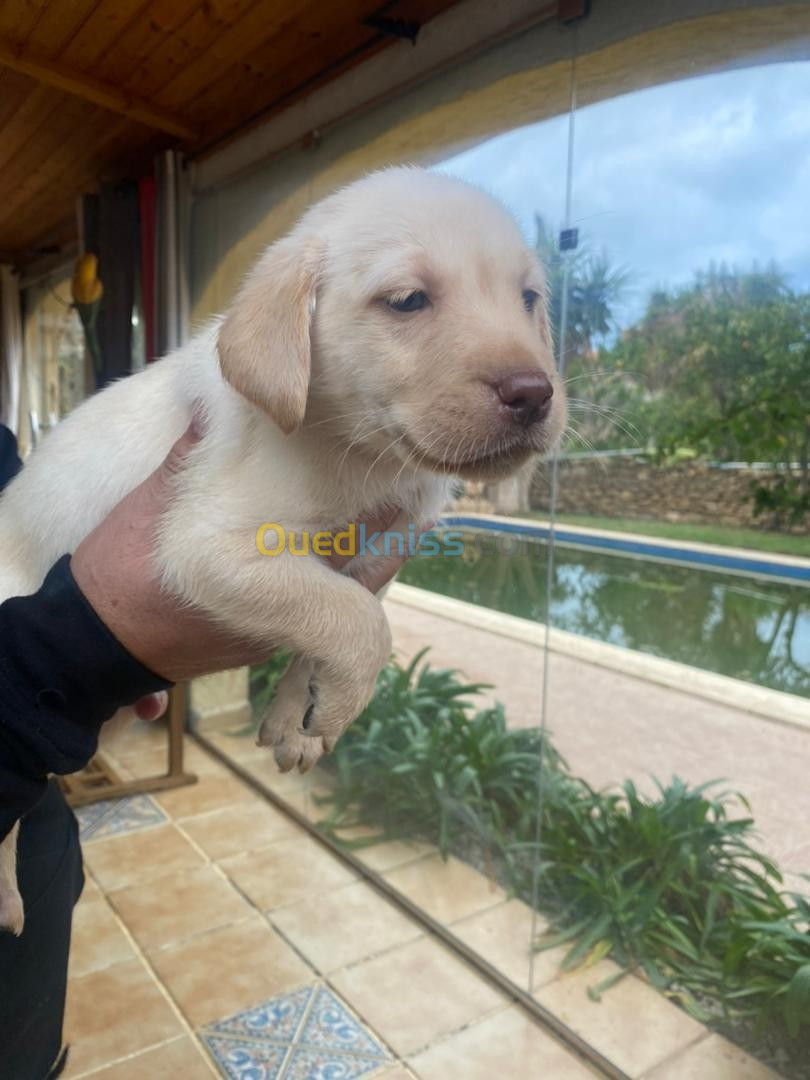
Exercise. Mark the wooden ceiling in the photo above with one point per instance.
(90, 90)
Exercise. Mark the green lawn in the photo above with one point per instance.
(726, 535)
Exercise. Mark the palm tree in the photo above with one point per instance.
(594, 287)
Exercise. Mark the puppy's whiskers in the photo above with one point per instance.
(386, 449)
(414, 450)
(344, 457)
(608, 413)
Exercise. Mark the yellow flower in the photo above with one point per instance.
(86, 287)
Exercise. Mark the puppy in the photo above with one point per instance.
(395, 339)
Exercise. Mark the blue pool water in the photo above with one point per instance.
(748, 619)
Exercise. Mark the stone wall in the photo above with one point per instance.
(623, 487)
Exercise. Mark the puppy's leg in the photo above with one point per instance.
(289, 710)
(292, 708)
(298, 602)
(11, 907)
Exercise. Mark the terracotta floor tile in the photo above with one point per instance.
(713, 1058)
(241, 828)
(241, 748)
(299, 791)
(200, 761)
(91, 891)
(139, 735)
(508, 1044)
(446, 890)
(150, 759)
(230, 969)
(179, 906)
(132, 764)
(97, 940)
(414, 994)
(633, 1025)
(287, 871)
(213, 792)
(393, 853)
(138, 857)
(502, 935)
(176, 1060)
(340, 927)
(113, 1013)
(387, 854)
(304, 798)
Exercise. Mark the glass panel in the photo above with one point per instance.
(54, 366)
(679, 641)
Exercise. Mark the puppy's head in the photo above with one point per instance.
(406, 311)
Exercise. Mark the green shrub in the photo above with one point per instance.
(419, 761)
(668, 885)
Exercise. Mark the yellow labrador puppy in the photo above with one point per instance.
(396, 338)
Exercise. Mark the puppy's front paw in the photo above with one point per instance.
(294, 750)
(282, 724)
(11, 910)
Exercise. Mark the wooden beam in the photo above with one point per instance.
(100, 93)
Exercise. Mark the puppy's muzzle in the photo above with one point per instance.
(526, 396)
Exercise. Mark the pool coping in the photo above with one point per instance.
(773, 705)
(791, 569)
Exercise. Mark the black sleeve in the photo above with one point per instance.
(62, 674)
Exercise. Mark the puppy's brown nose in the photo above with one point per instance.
(527, 395)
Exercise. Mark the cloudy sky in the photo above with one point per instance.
(668, 179)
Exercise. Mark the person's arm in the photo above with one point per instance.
(101, 633)
(62, 675)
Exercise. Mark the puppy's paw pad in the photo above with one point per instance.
(296, 751)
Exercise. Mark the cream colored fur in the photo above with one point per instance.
(321, 404)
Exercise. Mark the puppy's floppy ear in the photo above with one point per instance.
(264, 343)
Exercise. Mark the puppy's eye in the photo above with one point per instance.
(530, 298)
(413, 301)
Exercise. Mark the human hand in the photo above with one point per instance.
(115, 569)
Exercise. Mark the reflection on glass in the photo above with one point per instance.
(752, 629)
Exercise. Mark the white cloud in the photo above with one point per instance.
(669, 179)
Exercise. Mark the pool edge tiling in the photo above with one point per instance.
(788, 568)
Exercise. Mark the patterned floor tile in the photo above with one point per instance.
(241, 1060)
(279, 1019)
(330, 1026)
(112, 817)
(306, 1064)
(307, 1035)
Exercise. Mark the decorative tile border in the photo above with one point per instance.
(309, 1034)
(113, 817)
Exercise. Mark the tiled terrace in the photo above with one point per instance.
(611, 726)
(215, 937)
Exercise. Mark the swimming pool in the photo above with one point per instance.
(750, 623)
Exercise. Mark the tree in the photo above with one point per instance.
(726, 361)
(595, 286)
